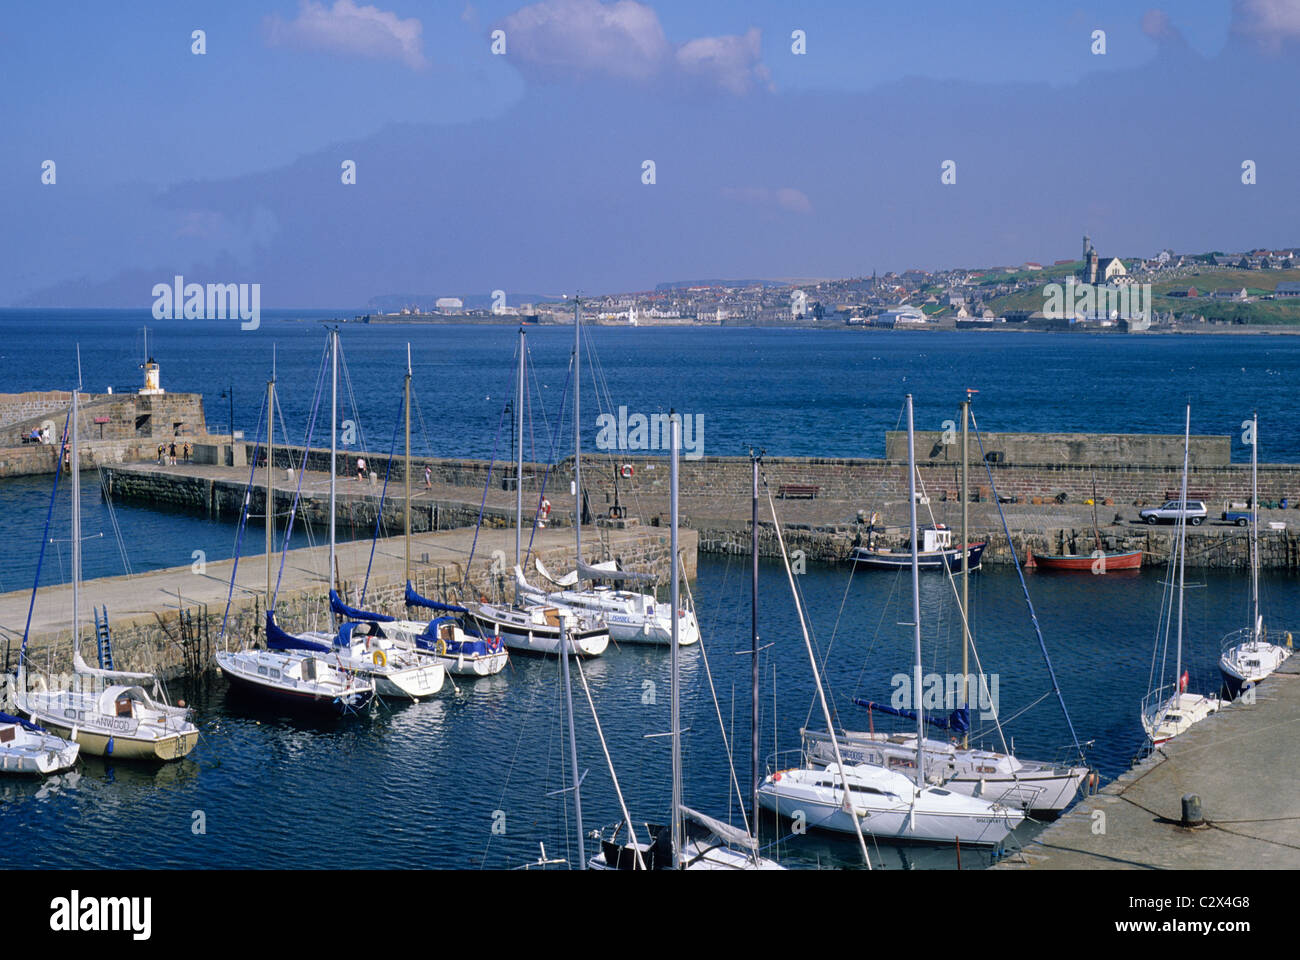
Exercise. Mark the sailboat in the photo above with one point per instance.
(109, 713)
(691, 840)
(1039, 789)
(535, 627)
(297, 670)
(872, 797)
(1172, 709)
(27, 750)
(441, 641)
(630, 616)
(1247, 656)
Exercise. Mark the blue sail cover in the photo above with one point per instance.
(958, 721)
(277, 639)
(413, 599)
(470, 646)
(25, 724)
(343, 610)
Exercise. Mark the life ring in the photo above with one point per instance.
(546, 508)
(380, 658)
(626, 472)
(441, 647)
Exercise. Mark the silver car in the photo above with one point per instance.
(1173, 509)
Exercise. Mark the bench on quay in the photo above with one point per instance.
(789, 490)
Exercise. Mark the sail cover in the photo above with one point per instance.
(608, 570)
(25, 724)
(958, 721)
(277, 639)
(343, 610)
(722, 830)
(413, 599)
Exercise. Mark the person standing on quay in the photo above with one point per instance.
(162, 449)
(427, 474)
(361, 468)
(171, 454)
(188, 451)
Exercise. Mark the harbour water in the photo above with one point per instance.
(423, 785)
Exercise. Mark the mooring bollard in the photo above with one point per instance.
(1192, 811)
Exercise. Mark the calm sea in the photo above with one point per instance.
(470, 780)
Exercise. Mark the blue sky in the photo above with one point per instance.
(523, 171)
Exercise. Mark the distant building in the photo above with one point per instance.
(1229, 294)
(1289, 288)
(1099, 270)
(449, 303)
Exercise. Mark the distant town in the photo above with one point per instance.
(1168, 292)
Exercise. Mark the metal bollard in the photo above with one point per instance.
(1192, 816)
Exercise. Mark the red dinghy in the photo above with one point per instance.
(1085, 562)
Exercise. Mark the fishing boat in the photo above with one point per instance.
(691, 840)
(1246, 655)
(1172, 709)
(534, 626)
(28, 750)
(109, 713)
(888, 804)
(1098, 562)
(293, 670)
(937, 553)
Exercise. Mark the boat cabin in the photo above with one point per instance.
(937, 538)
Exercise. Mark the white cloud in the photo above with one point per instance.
(734, 63)
(784, 198)
(346, 28)
(1268, 22)
(625, 40)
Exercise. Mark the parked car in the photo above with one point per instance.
(1237, 513)
(1173, 509)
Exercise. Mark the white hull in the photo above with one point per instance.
(1177, 715)
(1251, 661)
(887, 805)
(521, 630)
(630, 617)
(1043, 789)
(29, 753)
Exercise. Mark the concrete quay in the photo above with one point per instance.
(169, 621)
(1240, 761)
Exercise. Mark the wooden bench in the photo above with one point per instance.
(788, 490)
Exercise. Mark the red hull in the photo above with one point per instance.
(1083, 563)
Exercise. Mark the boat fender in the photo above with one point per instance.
(380, 658)
(108, 750)
(442, 647)
(776, 777)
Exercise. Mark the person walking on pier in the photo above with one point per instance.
(171, 454)
(188, 451)
(361, 468)
(162, 449)
(427, 474)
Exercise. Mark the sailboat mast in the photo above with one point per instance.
(577, 431)
(916, 601)
(1182, 554)
(519, 457)
(334, 439)
(74, 464)
(753, 618)
(565, 647)
(406, 466)
(675, 426)
(1254, 527)
(965, 562)
(270, 479)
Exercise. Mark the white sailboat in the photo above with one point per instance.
(1039, 789)
(1247, 657)
(535, 627)
(879, 800)
(692, 840)
(298, 670)
(1172, 709)
(109, 713)
(27, 750)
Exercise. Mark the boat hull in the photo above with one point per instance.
(114, 746)
(1080, 563)
(925, 560)
(337, 705)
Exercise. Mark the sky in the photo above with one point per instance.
(525, 169)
